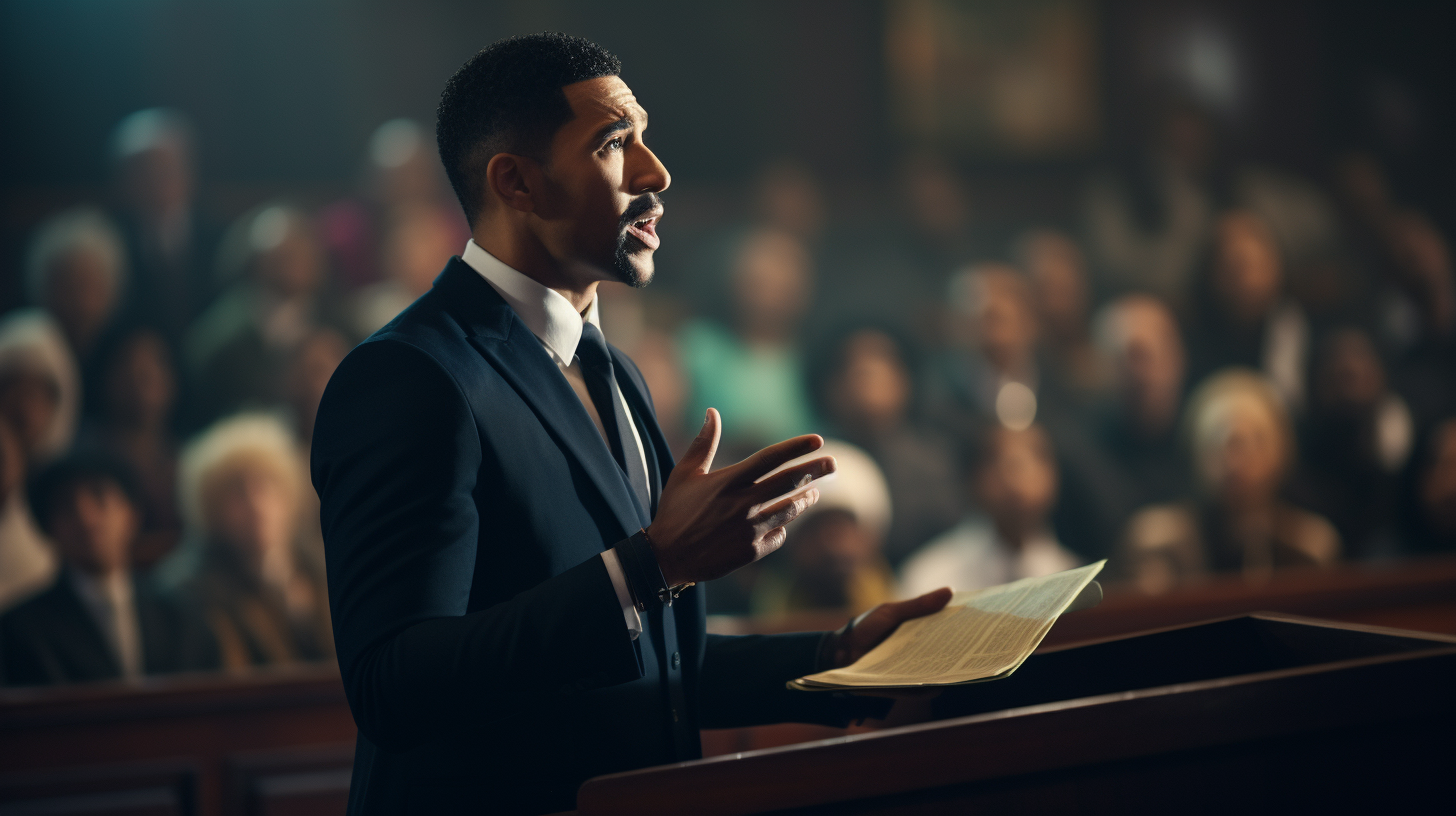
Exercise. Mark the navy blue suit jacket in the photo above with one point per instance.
(466, 499)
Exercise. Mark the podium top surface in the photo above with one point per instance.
(1244, 678)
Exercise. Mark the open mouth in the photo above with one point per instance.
(644, 229)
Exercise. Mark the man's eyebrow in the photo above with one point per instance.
(625, 123)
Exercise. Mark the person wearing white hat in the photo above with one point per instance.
(832, 556)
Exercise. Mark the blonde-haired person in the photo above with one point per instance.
(40, 398)
(241, 491)
(1242, 446)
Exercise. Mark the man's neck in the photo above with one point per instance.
(520, 250)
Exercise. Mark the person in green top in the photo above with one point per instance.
(752, 370)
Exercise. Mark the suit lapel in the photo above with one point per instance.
(77, 639)
(654, 444)
(505, 342)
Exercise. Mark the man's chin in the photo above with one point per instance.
(635, 268)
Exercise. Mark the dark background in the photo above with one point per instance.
(285, 94)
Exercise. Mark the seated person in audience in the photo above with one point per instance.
(170, 239)
(1242, 451)
(308, 373)
(1012, 481)
(77, 272)
(1137, 430)
(751, 370)
(1431, 492)
(1242, 317)
(241, 486)
(138, 383)
(237, 352)
(1356, 442)
(414, 241)
(39, 400)
(865, 385)
(1058, 272)
(831, 558)
(989, 373)
(401, 173)
(96, 621)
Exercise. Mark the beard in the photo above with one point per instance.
(622, 267)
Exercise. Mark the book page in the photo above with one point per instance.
(978, 636)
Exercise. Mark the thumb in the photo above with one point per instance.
(921, 605)
(699, 456)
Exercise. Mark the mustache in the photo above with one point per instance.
(639, 207)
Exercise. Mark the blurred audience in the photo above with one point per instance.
(308, 375)
(1356, 442)
(1137, 428)
(138, 381)
(39, 400)
(751, 369)
(1431, 522)
(787, 197)
(1243, 449)
(1148, 220)
(242, 571)
(865, 387)
(97, 620)
(832, 557)
(1032, 439)
(416, 243)
(77, 271)
(1243, 317)
(1058, 272)
(402, 182)
(989, 371)
(238, 351)
(169, 241)
(656, 356)
(1012, 484)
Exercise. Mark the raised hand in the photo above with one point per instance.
(709, 524)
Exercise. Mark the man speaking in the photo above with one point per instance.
(511, 551)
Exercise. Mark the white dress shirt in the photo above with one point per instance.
(112, 603)
(557, 324)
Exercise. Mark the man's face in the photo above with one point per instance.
(601, 207)
(93, 526)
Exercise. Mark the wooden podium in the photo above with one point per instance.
(1256, 713)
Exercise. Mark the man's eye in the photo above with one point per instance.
(615, 144)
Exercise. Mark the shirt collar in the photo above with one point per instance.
(546, 312)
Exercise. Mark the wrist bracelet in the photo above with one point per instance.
(644, 576)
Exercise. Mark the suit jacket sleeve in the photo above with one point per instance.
(744, 677)
(396, 462)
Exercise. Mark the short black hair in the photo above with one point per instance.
(60, 478)
(508, 98)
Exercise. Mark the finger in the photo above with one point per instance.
(756, 466)
(920, 606)
(791, 479)
(784, 510)
(772, 540)
(699, 456)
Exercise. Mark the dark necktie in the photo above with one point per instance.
(601, 383)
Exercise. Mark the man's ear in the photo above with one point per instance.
(510, 178)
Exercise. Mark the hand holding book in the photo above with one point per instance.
(977, 636)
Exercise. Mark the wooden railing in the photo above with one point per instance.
(268, 742)
(281, 741)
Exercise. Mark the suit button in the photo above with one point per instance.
(676, 659)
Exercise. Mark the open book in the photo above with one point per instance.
(980, 635)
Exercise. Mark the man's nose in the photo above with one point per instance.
(649, 174)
